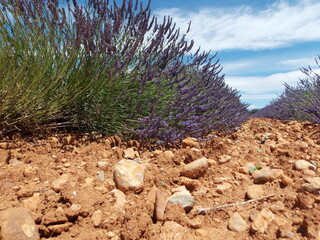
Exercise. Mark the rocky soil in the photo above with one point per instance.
(260, 182)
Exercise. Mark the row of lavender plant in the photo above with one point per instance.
(301, 102)
(108, 67)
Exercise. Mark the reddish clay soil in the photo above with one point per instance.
(70, 196)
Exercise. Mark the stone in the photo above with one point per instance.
(151, 197)
(172, 230)
(54, 217)
(67, 140)
(169, 154)
(280, 221)
(278, 207)
(67, 165)
(32, 202)
(190, 142)
(254, 191)
(309, 173)
(89, 181)
(59, 184)
(247, 169)
(59, 228)
(202, 233)
(15, 162)
(182, 197)
(190, 184)
(4, 145)
(128, 175)
(75, 207)
(101, 176)
(236, 223)
(304, 165)
(212, 162)
(73, 212)
(221, 188)
(17, 223)
(262, 220)
(54, 142)
(96, 218)
(312, 186)
(196, 168)
(218, 180)
(283, 152)
(120, 200)
(112, 235)
(224, 158)
(25, 191)
(286, 181)
(30, 172)
(129, 153)
(302, 145)
(160, 205)
(304, 202)
(103, 165)
(118, 152)
(193, 154)
(286, 234)
(267, 176)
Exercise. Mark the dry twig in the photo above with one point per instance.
(234, 204)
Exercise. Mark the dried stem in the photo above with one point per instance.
(233, 204)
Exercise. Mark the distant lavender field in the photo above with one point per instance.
(297, 103)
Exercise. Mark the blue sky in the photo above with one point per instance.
(261, 44)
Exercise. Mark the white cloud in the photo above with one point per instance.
(237, 65)
(301, 62)
(264, 88)
(254, 107)
(259, 84)
(261, 96)
(281, 24)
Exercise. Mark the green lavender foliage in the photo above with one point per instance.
(111, 68)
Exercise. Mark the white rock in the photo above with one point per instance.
(223, 187)
(96, 218)
(309, 173)
(103, 165)
(255, 191)
(262, 220)
(172, 230)
(59, 184)
(304, 165)
(101, 176)
(182, 197)
(196, 168)
(128, 175)
(129, 153)
(224, 159)
(236, 223)
(169, 154)
(312, 186)
(120, 200)
(286, 234)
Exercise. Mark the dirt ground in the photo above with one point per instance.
(68, 185)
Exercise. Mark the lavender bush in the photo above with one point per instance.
(108, 67)
(301, 102)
